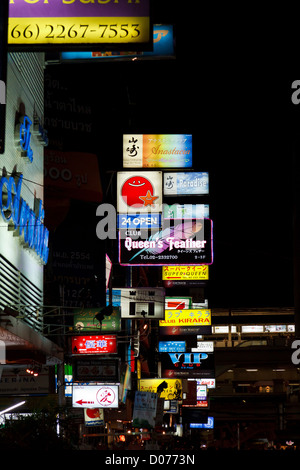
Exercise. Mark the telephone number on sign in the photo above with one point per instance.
(66, 32)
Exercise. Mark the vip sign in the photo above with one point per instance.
(139, 191)
(187, 365)
(95, 396)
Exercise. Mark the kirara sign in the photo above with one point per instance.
(195, 317)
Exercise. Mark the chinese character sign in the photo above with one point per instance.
(95, 344)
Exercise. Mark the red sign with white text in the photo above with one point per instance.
(94, 344)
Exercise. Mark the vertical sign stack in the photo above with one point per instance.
(177, 237)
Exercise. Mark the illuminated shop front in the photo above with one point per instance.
(23, 237)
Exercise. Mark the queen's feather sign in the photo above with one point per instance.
(188, 243)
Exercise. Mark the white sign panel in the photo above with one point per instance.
(142, 302)
(139, 191)
(204, 346)
(189, 183)
(95, 396)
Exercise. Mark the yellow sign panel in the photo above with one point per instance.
(187, 317)
(109, 30)
(199, 272)
(169, 389)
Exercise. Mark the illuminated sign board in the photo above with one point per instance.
(178, 302)
(93, 369)
(139, 191)
(187, 364)
(141, 302)
(167, 329)
(186, 184)
(188, 243)
(26, 223)
(163, 47)
(201, 392)
(185, 272)
(95, 396)
(209, 382)
(208, 425)
(157, 150)
(3, 70)
(139, 221)
(170, 346)
(185, 211)
(108, 266)
(84, 320)
(190, 317)
(94, 344)
(73, 23)
(204, 346)
(169, 389)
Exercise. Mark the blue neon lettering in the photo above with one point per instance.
(27, 223)
(25, 136)
(187, 358)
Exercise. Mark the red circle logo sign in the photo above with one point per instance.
(105, 396)
(138, 191)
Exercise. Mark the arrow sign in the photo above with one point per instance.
(81, 402)
(97, 396)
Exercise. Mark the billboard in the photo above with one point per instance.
(3, 70)
(167, 329)
(200, 272)
(186, 184)
(85, 320)
(68, 23)
(170, 346)
(195, 317)
(94, 344)
(163, 48)
(185, 211)
(187, 364)
(144, 410)
(139, 191)
(169, 389)
(139, 302)
(157, 150)
(91, 369)
(72, 175)
(178, 302)
(139, 221)
(95, 396)
(188, 243)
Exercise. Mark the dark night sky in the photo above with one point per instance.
(233, 95)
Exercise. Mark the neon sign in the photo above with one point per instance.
(94, 344)
(187, 360)
(25, 222)
(23, 136)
